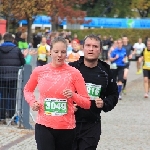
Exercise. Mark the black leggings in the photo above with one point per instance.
(53, 139)
(87, 136)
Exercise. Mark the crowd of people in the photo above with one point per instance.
(83, 78)
(119, 66)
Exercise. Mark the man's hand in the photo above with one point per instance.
(130, 56)
(36, 106)
(99, 102)
(117, 56)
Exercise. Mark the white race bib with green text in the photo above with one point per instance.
(113, 66)
(138, 51)
(55, 107)
(147, 64)
(93, 90)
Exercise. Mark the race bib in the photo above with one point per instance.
(105, 47)
(55, 107)
(93, 90)
(42, 57)
(113, 66)
(138, 51)
(147, 64)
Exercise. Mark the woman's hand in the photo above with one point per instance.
(75, 107)
(67, 93)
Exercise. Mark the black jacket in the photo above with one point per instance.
(109, 95)
(11, 59)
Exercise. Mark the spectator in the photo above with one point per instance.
(22, 44)
(36, 39)
(105, 49)
(17, 37)
(10, 56)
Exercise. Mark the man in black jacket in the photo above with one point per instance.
(102, 90)
(11, 59)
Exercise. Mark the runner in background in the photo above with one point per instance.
(146, 68)
(118, 59)
(75, 54)
(114, 45)
(138, 48)
(42, 52)
(129, 50)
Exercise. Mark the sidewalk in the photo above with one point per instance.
(127, 127)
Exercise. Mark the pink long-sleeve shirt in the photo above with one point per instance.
(51, 81)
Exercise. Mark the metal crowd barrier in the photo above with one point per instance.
(13, 107)
(10, 88)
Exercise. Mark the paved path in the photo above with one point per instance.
(127, 127)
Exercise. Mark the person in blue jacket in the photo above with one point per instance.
(118, 58)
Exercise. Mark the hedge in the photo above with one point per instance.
(132, 34)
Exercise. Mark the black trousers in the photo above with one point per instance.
(8, 90)
(41, 63)
(53, 139)
(118, 73)
(87, 136)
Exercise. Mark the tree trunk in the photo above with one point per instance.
(54, 22)
(7, 23)
(54, 26)
(29, 37)
(14, 26)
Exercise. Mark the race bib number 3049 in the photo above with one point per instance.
(55, 107)
(93, 90)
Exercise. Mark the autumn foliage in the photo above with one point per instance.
(142, 6)
(29, 9)
(25, 9)
(69, 9)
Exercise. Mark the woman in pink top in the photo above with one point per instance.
(59, 86)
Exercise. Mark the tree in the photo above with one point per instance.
(29, 9)
(6, 11)
(25, 9)
(108, 8)
(142, 6)
(69, 9)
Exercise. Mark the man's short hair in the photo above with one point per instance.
(95, 37)
(8, 37)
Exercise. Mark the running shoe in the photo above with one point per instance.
(120, 98)
(146, 95)
(139, 72)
